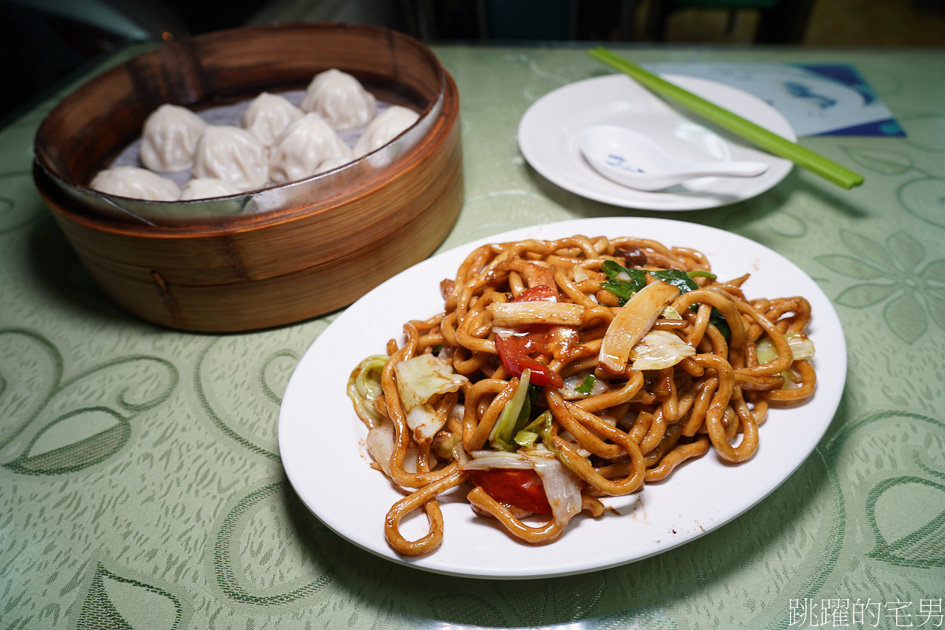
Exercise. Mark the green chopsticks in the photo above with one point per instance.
(767, 140)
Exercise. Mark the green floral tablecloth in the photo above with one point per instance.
(140, 479)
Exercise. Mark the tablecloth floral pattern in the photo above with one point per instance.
(140, 479)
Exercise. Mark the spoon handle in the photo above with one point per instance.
(729, 169)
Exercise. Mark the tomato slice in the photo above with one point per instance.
(513, 351)
(521, 488)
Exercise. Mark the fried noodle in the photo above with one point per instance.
(571, 370)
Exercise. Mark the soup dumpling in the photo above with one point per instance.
(332, 163)
(340, 99)
(303, 147)
(268, 115)
(169, 138)
(207, 188)
(233, 155)
(136, 183)
(385, 127)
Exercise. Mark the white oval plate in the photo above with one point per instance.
(321, 438)
(548, 138)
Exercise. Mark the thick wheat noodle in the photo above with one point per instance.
(577, 356)
(490, 416)
(670, 438)
(615, 435)
(714, 416)
(597, 316)
(516, 284)
(476, 361)
(424, 497)
(699, 324)
(726, 307)
(802, 315)
(466, 296)
(651, 460)
(471, 266)
(533, 273)
(574, 293)
(471, 342)
(691, 367)
(430, 341)
(474, 433)
(448, 328)
(476, 326)
(640, 426)
(614, 397)
(654, 247)
(583, 468)
(573, 421)
(808, 380)
(589, 349)
(744, 412)
(443, 410)
(655, 432)
(785, 356)
(700, 406)
(670, 404)
(685, 404)
(677, 456)
(759, 383)
(697, 256)
(714, 342)
(582, 364)
(760, 404)
(535, 535)
(778, 308)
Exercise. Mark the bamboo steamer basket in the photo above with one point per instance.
(270, 257)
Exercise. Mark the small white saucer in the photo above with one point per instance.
(548, 138)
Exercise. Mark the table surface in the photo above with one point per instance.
(140, 478)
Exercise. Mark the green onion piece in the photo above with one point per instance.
(540, 427)
(623, 290)
(587, 386)
(502, 433)
(698, 273)
(621, 287)
(677, 278)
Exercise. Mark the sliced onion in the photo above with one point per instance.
(484, 460)
(562, 487)
(572, 382)
(802, 348)
(423, 421)
(380, 444)
(658, 350)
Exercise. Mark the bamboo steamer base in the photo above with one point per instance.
(281, 267)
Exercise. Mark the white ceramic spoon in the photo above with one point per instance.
(632, 159)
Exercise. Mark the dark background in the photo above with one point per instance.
(47, 43)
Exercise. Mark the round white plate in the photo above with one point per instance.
(548, 138)
(321, 438)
